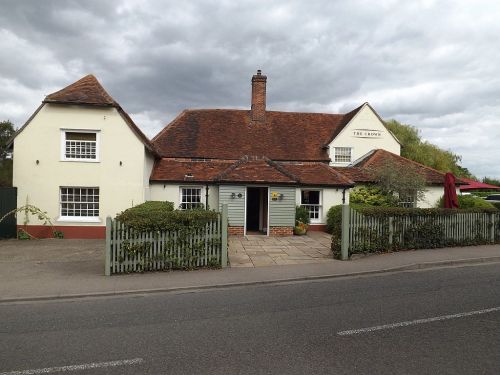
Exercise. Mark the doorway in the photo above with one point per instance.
(256, 210)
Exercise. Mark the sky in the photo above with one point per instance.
(430, 64)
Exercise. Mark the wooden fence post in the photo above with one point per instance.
(224, 235)
(107, 251)
(492, 227)
(391, 230)
(344, 247)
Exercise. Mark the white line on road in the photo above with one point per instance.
(415, 322)
(85, 366)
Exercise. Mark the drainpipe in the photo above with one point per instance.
(343, 195)
(206, 197)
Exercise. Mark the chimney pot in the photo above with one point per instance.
(259, 97)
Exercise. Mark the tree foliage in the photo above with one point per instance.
(401, 184)
(423, 152)
(491, 181)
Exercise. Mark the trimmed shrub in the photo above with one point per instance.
(158, 216)
(467, 202)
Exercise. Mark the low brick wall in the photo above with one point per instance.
(317, 227)
(281, 231)
(236, 231)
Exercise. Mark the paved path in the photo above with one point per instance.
(256, 251)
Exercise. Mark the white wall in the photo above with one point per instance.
(171, 192)
(120, 186)
(364, 120)
(329, 197)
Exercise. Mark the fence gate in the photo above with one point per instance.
(8, 202)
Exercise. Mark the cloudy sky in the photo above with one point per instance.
(432, 64)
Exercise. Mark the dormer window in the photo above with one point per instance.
(80, 145)
(342, 154)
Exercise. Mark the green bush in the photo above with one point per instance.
(372, 196)
(496, 205)
(301, 215)
(157, 216)
(467, 202)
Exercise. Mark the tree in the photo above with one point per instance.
(414, 148)
(407, 186)
(6, 133)
(491, 181)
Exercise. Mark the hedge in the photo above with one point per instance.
(468, 201)
(158, 216)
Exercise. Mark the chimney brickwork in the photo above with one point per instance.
(259, 97)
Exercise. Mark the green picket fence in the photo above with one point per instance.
(367, 233)
(128, 250)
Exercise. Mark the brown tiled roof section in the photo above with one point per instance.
(355, 174)
(317, 174)
(381, 157)
(229, 134)
(86, 90)
(256, 170)
(176, 170)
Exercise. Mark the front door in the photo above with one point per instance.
(256, 210)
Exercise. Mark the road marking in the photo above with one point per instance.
(416, 321)
(85, 366)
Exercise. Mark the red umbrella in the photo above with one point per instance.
(450, 191)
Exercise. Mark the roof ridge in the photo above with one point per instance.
(232, 167)
(337, 173)
(282, 169)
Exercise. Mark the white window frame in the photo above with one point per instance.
(335, 155)
(201, 188)
(308, 205)
(80, 219)
(84, 160)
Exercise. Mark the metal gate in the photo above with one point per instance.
(8, 202)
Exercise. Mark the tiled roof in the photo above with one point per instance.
(86, 90)
(314, 173)
(476, 185)
(229, 134)
(178, 170)
(360, 171)
(248, 170)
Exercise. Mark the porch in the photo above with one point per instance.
(258, 250)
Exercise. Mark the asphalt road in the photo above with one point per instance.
(297, 328)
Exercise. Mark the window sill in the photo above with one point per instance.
(81, 160)
(74, 219)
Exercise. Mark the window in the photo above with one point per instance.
(80, 145)
(190, 198)
(342, 154)
(311, 200)
(407, 202)
(79, 202)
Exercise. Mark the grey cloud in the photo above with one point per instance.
(432, 64)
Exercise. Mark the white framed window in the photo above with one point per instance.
(79, 203)
(342, 154)
(311, 200)
(190, 198)
(407, 201)
(80, 145)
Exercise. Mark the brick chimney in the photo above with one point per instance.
(259, 97)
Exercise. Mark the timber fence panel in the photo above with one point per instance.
(378, 234)
(128, 250)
